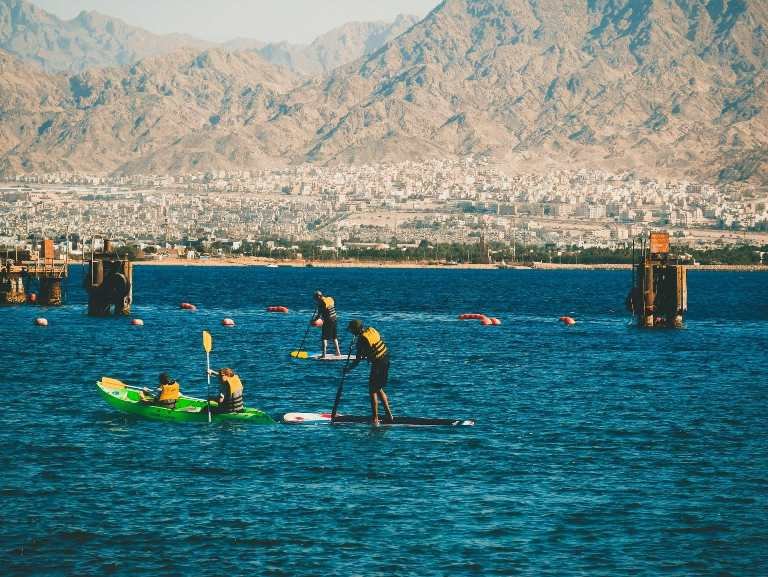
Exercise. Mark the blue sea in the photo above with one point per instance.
(600, 449)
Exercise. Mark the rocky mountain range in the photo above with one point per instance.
(93, 40)
(659, 87)
(335, 48)
(90, 40)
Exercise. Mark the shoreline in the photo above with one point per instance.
(271, 263)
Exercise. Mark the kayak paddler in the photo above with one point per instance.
(166, 394)
(326, 310)
(370, 346)
(230, 399)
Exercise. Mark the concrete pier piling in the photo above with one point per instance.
(659, 294)
(20, 270)
(109, 283)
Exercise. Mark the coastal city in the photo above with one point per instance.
(439, 201)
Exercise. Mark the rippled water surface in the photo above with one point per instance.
(599, 449)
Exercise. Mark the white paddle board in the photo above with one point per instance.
(325, 418)
(320, 357)
(306, 418)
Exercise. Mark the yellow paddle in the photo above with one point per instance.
(300, 354)
(208, 347)
(111, 383)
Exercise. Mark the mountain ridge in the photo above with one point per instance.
(657, 87)
(94, 40)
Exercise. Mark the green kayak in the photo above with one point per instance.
(187, 409)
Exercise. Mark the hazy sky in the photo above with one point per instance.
(298, 21)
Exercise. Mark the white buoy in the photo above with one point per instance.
(41, 322)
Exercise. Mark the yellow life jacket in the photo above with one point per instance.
(169, 392)
(329, 312)
(233, 395)
(373, 338)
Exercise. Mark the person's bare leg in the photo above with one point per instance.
(374, 409)
(338, 350)
(325, 347)
(385, 402)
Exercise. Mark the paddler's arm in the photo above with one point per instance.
(359, 356)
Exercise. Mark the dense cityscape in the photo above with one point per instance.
(372, 206)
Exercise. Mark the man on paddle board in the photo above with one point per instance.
(371, 346)
(326, 310)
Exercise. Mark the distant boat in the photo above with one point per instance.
(272, 265)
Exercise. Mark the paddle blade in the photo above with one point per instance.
(300, 354)
(113, 383)
(207, 341)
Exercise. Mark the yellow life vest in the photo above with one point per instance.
(376, 345)
(169, 392)
(330, 308)
(233, 395)
(234, 385)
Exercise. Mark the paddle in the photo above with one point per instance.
(117, 384)
(341, 384)
(208, 347)
(111, 383)
(301, 353)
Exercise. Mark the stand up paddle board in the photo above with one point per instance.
(325, 418)
(303, 355)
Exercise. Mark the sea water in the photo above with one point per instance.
(599, 449)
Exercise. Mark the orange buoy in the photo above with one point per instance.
(137, 322)
(32, 297)
(495, 321)
(471, 317)
(227, 322)
(568, 321)
(188, 307)
(317, 323)
(41, 322)
(277, 309)
(485, 321)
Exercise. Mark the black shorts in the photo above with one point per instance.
(329, 330)
(379, 373)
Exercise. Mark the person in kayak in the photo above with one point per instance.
(370, 346)
(166, 394)
(230, 399)
(326, 310)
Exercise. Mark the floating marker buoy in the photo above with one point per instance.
(41, 322)
(568, 321)
(188, 307)
(227, 322)
(495, 321)
(137, 322)
(485, 321)
(317, 323)
(32, 297)
(277, 309)
(471, 317)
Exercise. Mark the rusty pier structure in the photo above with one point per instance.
(109, 283)
(20, 271)
(659, 294)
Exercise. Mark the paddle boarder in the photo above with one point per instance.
(166, 394)
(370, 346)
(230, 399)
(326, 310)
